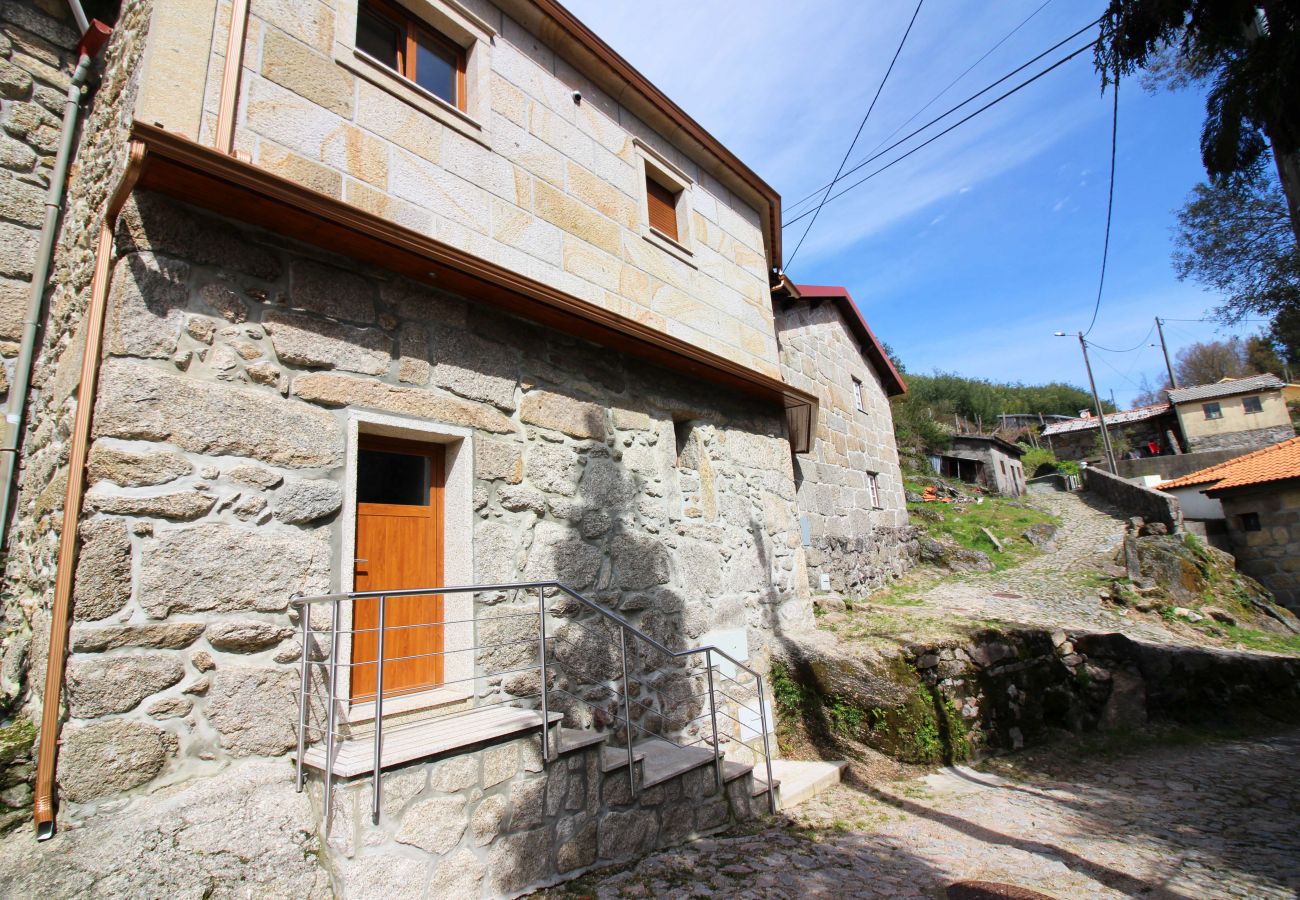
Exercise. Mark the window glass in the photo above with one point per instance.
(873, 485)
(387, 477)
(1213, 411)
(435, 69)
(1252, 405)
(857, 394)
(1250, 521)
(378, 37)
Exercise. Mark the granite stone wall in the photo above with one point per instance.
(217, 476)
(1245, 441)
(1270, 555)
(858, 544)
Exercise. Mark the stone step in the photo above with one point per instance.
(798, 780)
(567, 740)
(431, 737)
(758, 785)
(665, 760)
(614, 758)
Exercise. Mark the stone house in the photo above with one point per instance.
(991, 462)
(353, 297)
(1080, 439)
(1259, 498)
(852, 512)
(1233, 414)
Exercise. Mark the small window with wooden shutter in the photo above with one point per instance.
(662, 206)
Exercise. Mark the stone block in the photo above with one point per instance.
(181, 505)
(488, 820)
(342, 390)
(577, 218)
(519, 860)
(553, 468)
(254, 709)
(131, 469)
(152, 222)
(318, 78)
(475, 368)
(638, 562)
(627, 833)
(603, 197)
(100, 685)
(394, 120)
(103, 582)
(577, 848)
(255, 476)
(631, 420)
(165, 636)
(224, 568)
(331, 291)
(413, 361)
(500, 764)
(527, 804)
(170, 707)
(305, 340)
(435, 824)
(17, 250)
(139, 402)
(559, 554)
(300, 502)
(454, 774)
(225, 302)
(109, 757)
(20, 202)
(559, 412)
(458, 876)
(498, 460)
(246, 635)
(149, 294)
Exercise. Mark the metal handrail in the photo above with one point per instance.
(304, 605)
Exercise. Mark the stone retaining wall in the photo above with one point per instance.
(1174, 465)
(495, 822)
(1243, 441)
(1134, 499)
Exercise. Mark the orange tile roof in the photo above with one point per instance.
(1276, 463)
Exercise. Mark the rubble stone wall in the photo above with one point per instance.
(217, 475)
(496, 822)
(858, 544)
(1270, 555)
(1243, 441)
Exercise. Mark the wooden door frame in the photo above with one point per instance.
(458, 551)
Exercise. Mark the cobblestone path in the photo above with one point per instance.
(1219, 819)
(1051, 590)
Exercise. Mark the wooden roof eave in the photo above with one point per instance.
(207, 178)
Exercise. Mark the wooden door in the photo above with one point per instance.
(399, 546)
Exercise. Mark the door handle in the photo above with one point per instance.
(361, 560)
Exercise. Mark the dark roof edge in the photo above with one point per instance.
(890, 378)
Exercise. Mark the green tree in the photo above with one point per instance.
(1209, 361)
(1235, 239)
(1262, 356)
(1247, 53)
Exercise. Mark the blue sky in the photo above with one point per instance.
(969, 254)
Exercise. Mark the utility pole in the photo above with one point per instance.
(1173, 382)
(1101, 414)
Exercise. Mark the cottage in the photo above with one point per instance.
(852, 511)
(1258, 498)
(1144, 431)
(1233, 414)
(991, 462)
(409, 408)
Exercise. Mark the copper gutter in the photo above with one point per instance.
(43, 806)
(229, 97)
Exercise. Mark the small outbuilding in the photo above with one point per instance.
(1233, 414)
(991, 462)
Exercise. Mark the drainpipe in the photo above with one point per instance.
(91, 42)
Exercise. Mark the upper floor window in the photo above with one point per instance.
(413, 50)
(1212, 410)
(857, 395)
(661, 205)
(1252, 405)
(873, 486)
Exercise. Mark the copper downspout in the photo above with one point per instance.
(229, 97)
(80, 446)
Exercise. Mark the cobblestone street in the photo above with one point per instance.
(1050, 590)
(1206, 820)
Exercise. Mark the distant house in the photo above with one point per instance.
(1259, 494)
(988, 461)
(1079, 439)
(1241, 413)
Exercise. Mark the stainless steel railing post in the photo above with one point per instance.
(376, 781)
(331, 719)
(767, 747)
(546, 684)
(713, 714)
(304, 704)
(627, 710)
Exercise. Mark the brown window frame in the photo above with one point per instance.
(416, 30)
(669, 199)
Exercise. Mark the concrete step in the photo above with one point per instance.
(665, 760)
(800, 780)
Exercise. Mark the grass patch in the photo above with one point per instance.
(963, 524)
(1262, 640)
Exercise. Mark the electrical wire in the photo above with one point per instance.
(1110, 207)
(861, 125)
(939, 118)
(910, 119)
(950, 128)
(1136, 346)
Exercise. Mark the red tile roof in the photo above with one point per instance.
(889, 378)
(1279, 462)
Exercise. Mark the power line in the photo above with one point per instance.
(952, 127)
(861, 125)
(1110, 207)
(939, 118)
(792, 207)
(1136, 346)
